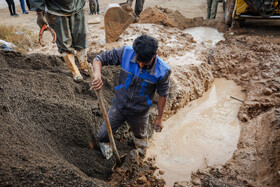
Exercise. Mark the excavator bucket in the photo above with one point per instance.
(117, 18)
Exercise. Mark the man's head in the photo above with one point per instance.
(145, 48)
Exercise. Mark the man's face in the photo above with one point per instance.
(144, 65)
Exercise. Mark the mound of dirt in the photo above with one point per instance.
(168, 17)
(48, 123)
(253, 63)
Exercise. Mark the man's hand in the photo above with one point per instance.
(158, 125)
(97, 83)
(41, 18)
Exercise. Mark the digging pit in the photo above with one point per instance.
(47, 121)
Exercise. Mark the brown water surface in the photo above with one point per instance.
(205, 132)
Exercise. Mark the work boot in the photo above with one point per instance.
(70, 61)
(141, 146)
(106, 149)
(82, 57)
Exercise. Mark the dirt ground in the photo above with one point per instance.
(47, 121)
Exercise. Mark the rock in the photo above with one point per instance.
(161, 172)
(267, 91)
(141, 180)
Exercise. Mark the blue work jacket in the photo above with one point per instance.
(136, 86)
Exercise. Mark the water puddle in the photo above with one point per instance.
(209, 36)
(206, 37)
(205, 132)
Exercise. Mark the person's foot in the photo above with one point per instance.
(16, 15)
(78, 78)
(25, 12)
(136, 19)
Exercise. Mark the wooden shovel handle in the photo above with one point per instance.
(105, 116)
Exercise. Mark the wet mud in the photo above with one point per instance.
(48, 122)
(253, 63)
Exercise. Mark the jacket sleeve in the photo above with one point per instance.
(162, 85)
(37, 5)
(111, 57)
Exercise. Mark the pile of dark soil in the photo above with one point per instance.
(47, 123)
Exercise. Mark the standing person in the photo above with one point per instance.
(11, 6)
(212, 6)
(67, 19)
(142, 73)
(93, 7)
(22, 5)
(138, 7)
(28, 4)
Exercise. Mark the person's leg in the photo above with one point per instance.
(116, 119)
(28, 4)
(22, 4)
(139, 7)
(139, 126)
(214, 8)
(92, 7)
(77, 27)
(61, 26)
(10, 7)
(14, 8)
(97, 7)
(209, 5)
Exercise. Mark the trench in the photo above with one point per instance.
(204, 133)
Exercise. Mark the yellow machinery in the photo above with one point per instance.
(238, 10)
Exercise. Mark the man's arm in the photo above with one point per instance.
(111, 57)
(161, 106)
(163, 91)
(97, 82)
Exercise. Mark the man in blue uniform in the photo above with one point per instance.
(142, 74)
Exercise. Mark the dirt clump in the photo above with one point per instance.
(140, 172)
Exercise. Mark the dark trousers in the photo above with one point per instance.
(94, 6)
(11, 5)
(28, 4)
(137, 121)
(139, 7)
(212, 6)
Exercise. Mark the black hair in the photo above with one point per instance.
(145, 48)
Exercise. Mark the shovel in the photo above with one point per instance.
(105, 116)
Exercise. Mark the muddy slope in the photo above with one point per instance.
(252, 62)
(47, 122)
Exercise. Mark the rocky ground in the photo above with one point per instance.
(48, 123)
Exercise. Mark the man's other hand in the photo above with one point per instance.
(158, 125)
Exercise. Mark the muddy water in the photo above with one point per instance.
(205, 38)
(208, 35)
(203, 133)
